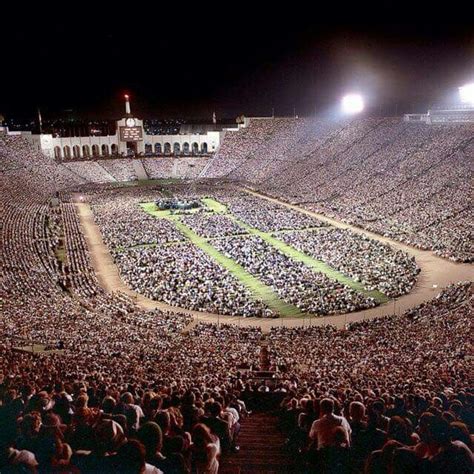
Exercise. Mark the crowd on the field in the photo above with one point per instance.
(265, 215)
(184, 275)
(123, 224)
(374, 264)
(213, 225)
(293, 281)
(411, 182)
(368, 261)
(154, 260)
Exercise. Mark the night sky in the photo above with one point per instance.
(178, 60)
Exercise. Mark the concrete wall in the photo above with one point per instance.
(67, 148)
(210, 140)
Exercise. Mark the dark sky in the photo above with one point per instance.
(186, 60)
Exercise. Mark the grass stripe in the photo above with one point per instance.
(317, 265)
(214, 205)
(258, 289)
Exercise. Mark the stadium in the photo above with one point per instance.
(284, 294)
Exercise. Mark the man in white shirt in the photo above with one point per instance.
(322, 430)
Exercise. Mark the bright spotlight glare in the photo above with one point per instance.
(466, 94)
(352, 104)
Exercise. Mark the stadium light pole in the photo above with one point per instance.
(466, 94)
(352, 104)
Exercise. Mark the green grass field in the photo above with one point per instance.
(60, 254)
(149, 207)
(214, 205)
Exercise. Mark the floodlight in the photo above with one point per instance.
(352, 104)
(466, 94)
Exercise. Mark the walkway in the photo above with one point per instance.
(261, 448)
(139, 169)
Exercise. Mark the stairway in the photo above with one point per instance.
(139, 169)
(261, 448)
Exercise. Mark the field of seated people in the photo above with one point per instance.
(237, 254)
(148, 391)
(408, 181)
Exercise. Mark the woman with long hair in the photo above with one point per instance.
(205, 450)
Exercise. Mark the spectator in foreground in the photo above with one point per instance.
(323, 430)
(205, 450)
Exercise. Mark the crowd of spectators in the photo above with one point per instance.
(365, 260)
(120, 168)
(392, 394)
(184, 168)
(162, 168)
(379, 395)
(82, 412)
(265, 215)
(189, 168)
(90, 171)
(403, 180)
(293, 281)
(134, 391)
(184, 275)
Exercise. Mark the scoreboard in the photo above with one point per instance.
(131, 134)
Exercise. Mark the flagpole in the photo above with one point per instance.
(40, 122)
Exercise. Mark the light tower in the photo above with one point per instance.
(127, 105)
(352, 104)
(466, 94)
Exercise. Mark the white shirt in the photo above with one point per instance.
(150, 469)
(322, 430)
(212, 464)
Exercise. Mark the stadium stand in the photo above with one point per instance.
(408, 181)
(118, 389)
(186, 168)
(121, 169)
